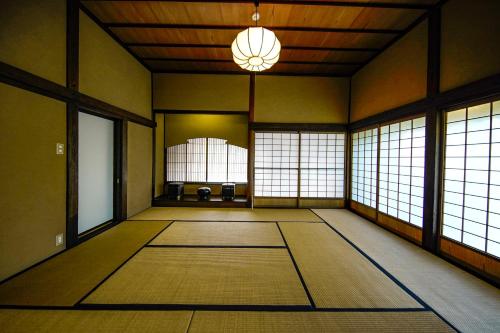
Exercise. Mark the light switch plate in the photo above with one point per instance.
(59, 239)
(60, 148)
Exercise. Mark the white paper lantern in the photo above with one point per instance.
(256, 49)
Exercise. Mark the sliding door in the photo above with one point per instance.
(95, 171)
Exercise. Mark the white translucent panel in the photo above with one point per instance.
(476, 189)
(237, 164)
(176, 163)
(454, 162)
(494, 248)
(416, 220)
(454, 174)
(477, 163)
(494, 192)
(495, 121)
(418, 133)
(477, 111)
(455, 151)
(452, 221)
(475, 215)
(95, 171)
(474, 241)
(473, 201)
(494, 234)
(452, 233)
(495, 151)
(496, 107)
(457, 127)
(404, 216)
(217, 160)
(474, 228)
(455, 115)
(479, 150)
(454, 186)
(495, 135)
(494, 207)
(419, 122)
(392, 211)
(453, 209)
(455, 139)
(478, 124)
(196, 159)
(418, 171)
(477, 176)
(478, 137)
(454, 198)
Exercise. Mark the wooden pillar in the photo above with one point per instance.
(251, 142)
(433, 140)
(72, 51)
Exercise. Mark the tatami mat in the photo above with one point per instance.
(469, 303)
(63, 321)
(226, 214)
(220, 233)
(66, 278)
(311, 322)
(336, 275)
(226, 276)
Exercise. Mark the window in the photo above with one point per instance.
(471, 207)
(207, 160)
(196, 160)
(401, 184)
(276, 164)
(322, 165)
(364, 167)
(321, 169)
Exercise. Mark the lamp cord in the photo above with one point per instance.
(256, 12)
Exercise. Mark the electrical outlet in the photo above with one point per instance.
(59, 239)
(59, 149)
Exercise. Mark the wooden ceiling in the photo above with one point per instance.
(327, 38)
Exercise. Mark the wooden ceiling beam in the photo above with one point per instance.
(231, 61)
(362, 4)
(159, 71)
(243, 27)
(283, 47)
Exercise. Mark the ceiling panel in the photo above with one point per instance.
(317, 35)
(218, 37)
(240, 14)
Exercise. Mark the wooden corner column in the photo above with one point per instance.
(433, 140)
(72, 80)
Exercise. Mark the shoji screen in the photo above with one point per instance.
(364, 167)
(402, 153)
(176, 163)
(322, 165)
(196, 159)
(471, 208)
(217, 160)
(276, 164)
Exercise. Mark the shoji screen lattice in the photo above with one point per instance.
(471, 207)
(365, 167)
(401, 171)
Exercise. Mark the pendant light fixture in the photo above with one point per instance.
(256, 48)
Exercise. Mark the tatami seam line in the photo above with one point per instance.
(206, 307)
(389, 275)
(123, 263)
(299, 273)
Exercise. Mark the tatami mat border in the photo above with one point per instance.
(389, 275)
(123, 263)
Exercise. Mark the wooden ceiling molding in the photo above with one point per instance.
(327, 38)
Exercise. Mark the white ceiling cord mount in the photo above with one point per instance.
(256, 48)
